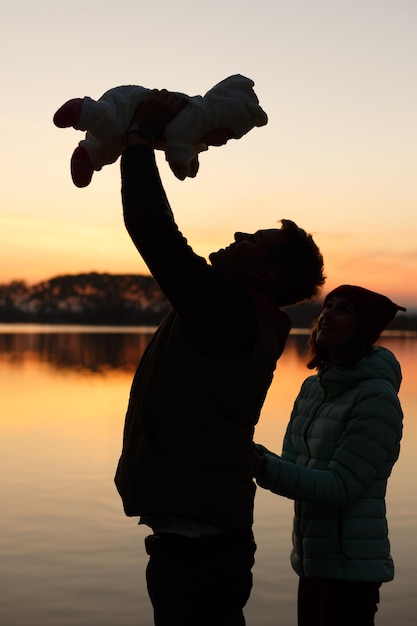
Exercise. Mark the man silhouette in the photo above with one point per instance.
(186, 465)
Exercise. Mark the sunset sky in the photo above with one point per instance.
(337, 78)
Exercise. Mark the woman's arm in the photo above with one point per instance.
(366, 451)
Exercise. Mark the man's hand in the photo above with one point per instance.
(158, 110)
(218, 136)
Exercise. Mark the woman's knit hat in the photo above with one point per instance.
(373, 310)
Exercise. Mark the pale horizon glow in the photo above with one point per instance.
(338, 156)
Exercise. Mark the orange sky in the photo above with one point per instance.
(336, 79)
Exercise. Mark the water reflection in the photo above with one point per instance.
(89, 352)
(101, 352)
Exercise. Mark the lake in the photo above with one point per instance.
(68, 554)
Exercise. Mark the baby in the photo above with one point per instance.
(229, 110)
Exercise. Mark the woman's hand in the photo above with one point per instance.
(258, 461)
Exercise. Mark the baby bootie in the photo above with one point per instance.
(69, 113)
(81, 168)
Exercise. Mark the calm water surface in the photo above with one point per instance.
(69, 556)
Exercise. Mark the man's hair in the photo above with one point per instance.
(301, 266)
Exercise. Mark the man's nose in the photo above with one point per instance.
(241, 236)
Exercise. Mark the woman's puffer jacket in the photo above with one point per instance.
(339, 449)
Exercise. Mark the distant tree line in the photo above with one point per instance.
(99, 299)
(115, 300)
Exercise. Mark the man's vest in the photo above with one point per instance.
(187, 443)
